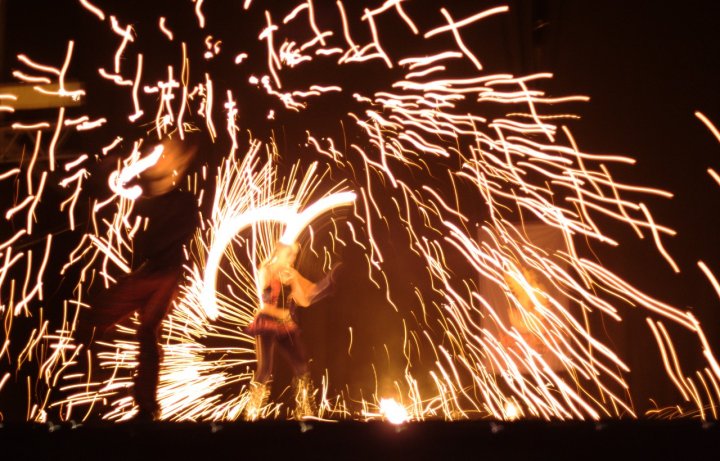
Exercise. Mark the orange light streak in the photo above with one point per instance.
(199, 13)
(163, 27)
(127, 36)
(93, 9)
(29, 78)
(42, 68)
(136, 85)
(118, 79)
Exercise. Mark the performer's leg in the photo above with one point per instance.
(293, 348)
(264, 348)
(151, 317)
(259, 391)
(111, 307)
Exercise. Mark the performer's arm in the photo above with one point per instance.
(263, 278)
(303, 290)
(263, 282)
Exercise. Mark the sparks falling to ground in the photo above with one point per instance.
(477, 174)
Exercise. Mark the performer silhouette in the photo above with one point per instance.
(274, 326)
(169, 218)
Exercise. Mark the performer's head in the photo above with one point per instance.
(166, 174)
(284, 255)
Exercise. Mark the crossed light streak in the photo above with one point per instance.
(543, 361)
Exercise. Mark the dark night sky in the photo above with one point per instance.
(646, 65)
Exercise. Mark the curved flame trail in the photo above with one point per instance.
(294, 224)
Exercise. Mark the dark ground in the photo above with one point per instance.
(529, 440)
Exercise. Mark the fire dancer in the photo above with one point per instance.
(169, 218)
(283, 288)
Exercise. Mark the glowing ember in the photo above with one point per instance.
(511, 411)
(393, 411)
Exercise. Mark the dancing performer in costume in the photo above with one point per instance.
(170, 217)
(275, 325)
